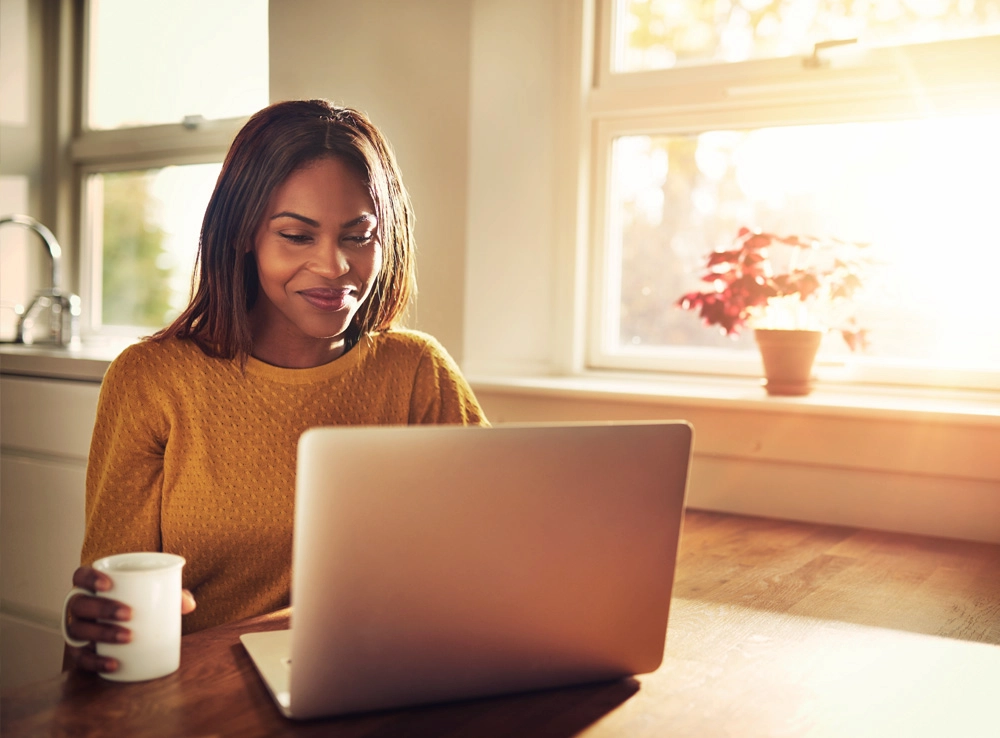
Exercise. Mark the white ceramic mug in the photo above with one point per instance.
(149, 582)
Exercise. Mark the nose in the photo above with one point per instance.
(329, 260)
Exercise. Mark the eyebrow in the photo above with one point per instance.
(366, 217)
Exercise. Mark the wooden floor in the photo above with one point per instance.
(933, 586)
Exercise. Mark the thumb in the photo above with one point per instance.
(187, 602)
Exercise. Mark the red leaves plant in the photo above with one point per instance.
(742, 279)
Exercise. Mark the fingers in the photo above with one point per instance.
(84, 612)
(87, 577)
(187, 602)
(87, 659)
(85, 607)
(86, 630)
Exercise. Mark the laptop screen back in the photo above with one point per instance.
(444, 562)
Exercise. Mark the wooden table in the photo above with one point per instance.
(776, 629)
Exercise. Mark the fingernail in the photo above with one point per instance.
(123, 613)
(110, 665)
(102, 585)
(123, 636)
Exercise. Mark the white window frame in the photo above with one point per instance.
(850, 85)
(92, 151)
(152, 147)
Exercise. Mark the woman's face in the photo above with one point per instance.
(318, 255)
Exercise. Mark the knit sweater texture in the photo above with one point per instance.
(196, 456)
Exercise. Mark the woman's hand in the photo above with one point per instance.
(83, 613)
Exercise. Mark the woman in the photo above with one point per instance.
(306, 265)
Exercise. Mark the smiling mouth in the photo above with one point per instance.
(325, 299)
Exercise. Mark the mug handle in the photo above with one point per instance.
(62, 621)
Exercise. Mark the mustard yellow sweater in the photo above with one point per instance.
(193, 456)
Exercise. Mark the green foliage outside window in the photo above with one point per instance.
(135, 282)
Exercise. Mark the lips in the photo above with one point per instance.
(327, 299)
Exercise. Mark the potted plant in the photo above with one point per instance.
(790, 289)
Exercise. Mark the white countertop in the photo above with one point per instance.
(86, 363)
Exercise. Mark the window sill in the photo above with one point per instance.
(962, 407)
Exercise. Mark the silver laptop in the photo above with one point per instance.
(439, 563)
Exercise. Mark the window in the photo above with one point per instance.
(166, 86)
(147, 224)
(871, 121)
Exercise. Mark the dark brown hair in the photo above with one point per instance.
(275, 142)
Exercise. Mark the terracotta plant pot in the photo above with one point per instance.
(788, 358)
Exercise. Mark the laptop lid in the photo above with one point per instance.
(444, 562)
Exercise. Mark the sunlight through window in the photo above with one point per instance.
(662, 34)
(922, 193)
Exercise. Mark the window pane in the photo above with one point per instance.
(150, 224)
(157, 61)
(662, 34)
(923, 193)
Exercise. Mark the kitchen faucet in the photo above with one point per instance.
(64, 307)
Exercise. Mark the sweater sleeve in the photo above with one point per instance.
(125, 467)
(441, 395)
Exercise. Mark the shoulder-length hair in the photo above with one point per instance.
(274, 143)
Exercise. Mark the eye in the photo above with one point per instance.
(362, 239)
(295, 237)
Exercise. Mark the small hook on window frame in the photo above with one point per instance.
(814, 61)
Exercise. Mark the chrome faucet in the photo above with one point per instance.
(64, 307)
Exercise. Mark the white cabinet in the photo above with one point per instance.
(45, 429)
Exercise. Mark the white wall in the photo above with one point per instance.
(512, 276)
(478, 99)
(406, 64)
(467, 91)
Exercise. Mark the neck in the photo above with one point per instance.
(304, 357)
(293, 350)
